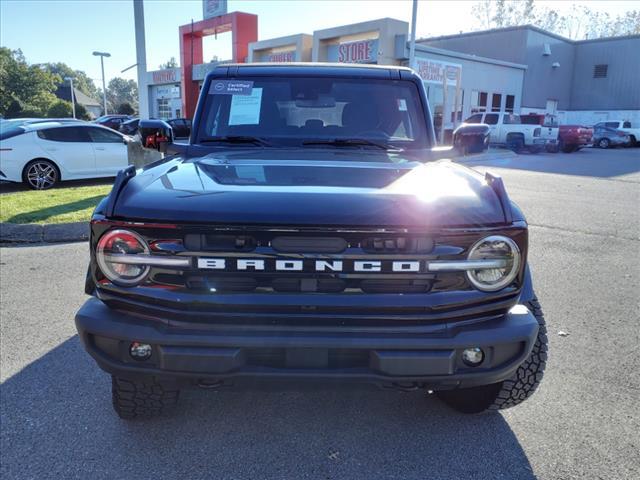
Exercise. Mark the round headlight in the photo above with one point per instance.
(114, 244)
(495, 247)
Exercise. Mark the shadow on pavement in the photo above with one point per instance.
(589, 162)
(57, 422)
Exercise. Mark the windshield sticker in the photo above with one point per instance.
(402, 105)
(245, 109)
(231, 87)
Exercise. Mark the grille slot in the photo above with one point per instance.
(309, 244)
(398, 245)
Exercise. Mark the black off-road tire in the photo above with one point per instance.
(507, 393)
(134, 399)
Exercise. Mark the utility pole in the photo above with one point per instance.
(412, 43)
(73, 98)
(104, 87)
(141, 59)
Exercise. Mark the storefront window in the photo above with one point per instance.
(478, 101)
(164, 110)
(496, 100)
(509, 104)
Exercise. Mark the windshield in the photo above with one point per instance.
(311, 111)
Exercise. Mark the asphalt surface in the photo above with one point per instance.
(584, 421)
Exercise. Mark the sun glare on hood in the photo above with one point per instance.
(431, 182)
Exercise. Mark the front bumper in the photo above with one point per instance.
(405, 356)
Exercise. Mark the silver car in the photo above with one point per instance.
(606, 137)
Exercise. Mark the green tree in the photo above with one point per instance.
(81, 112)
(125, 109)
(80, 79)
(171, 63)
(121, 91)
(29, 84)
(60, 109)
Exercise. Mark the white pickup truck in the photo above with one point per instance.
(625, 126)
(508, 130)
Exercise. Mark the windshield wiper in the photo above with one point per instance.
(348, 142)
(236, 139)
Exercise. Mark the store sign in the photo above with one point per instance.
(288, 56)
(168, 91)
(166, 76)
(432, 71)
(362, 51)
(213, 8)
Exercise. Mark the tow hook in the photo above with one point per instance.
(209, 385)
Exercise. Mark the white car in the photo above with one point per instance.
(507, 129)
(43, 154)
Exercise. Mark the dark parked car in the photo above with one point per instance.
(311, 229)
(181, 127)
(130, 127)
(112, 121)
(607, 137)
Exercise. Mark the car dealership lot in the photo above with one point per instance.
(582, 423)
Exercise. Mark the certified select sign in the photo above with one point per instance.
(231, 87)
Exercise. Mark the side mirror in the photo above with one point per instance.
(155, 135)
(471, 138)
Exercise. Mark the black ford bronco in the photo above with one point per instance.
(311, 230)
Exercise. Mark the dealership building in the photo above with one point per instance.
(517, 69)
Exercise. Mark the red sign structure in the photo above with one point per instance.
(244, 30)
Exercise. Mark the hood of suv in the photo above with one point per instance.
(349, 187)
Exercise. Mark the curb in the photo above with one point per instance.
(46, 233)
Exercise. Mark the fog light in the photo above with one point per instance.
(472, 356)
(140, 351)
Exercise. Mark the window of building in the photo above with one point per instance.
(491, 119)
(164, 109)
(496, 101)
(478, 101)
(509, 103)
(600, 71)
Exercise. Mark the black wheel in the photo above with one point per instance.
(604, 143)
(136, 399)
(569, 148)
(40, 174)
(516, 144)
(632, 141)
(507, 393)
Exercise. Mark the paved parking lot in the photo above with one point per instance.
(584, 422)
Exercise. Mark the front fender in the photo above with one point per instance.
(527, 294)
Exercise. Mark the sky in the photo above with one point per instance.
(70, 30)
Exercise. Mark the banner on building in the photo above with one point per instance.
(213, 8)
(433, 71)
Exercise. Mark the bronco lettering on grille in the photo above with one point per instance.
(282, 265)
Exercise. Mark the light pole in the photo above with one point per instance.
(73, 98)
(412, 42)
(104, 88)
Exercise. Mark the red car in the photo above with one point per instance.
(571, 138)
